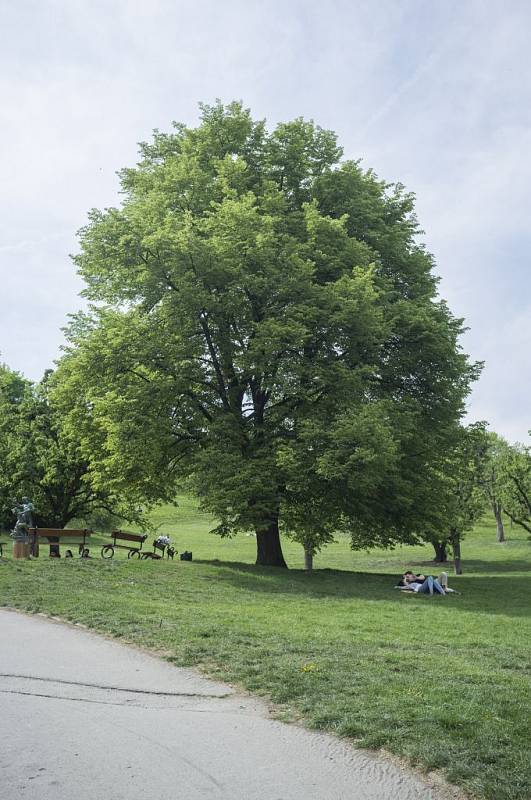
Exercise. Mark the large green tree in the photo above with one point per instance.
(265, 327)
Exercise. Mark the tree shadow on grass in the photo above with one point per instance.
(472, 566)
(492, 568)
(484, 594)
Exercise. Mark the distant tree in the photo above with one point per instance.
(13, 392)
(266, 328)
(462, 499)
(41, 459)
(515, 484)
(492, 479)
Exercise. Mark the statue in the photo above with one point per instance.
(20, 532)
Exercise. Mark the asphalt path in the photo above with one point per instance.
(83, 717)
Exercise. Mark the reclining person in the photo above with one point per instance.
(425, 585)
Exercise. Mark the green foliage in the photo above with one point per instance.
(492, 470)
(455, 488)
(266, 330)
(464, 502)
(14, 391)
(515, 484)
(506, 480)
(41, 457)
(491, 479)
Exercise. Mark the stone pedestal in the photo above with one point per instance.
(21, 550)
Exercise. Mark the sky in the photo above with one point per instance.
(435, 94)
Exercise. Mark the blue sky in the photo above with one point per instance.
(435, 94)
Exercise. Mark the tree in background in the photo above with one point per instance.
(515, 484)
(41, 459)
(13, 393)
(506, 480)
(492, 479)
(266, 329)
(461, 500)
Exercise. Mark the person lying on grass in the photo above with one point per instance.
(425, 585)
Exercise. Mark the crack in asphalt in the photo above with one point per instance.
(58, 697)
(101, 702)
(152, 692)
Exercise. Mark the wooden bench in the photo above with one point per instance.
(107, 551)
(60, 536)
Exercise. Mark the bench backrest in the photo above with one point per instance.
(61, 533)
(129, 537)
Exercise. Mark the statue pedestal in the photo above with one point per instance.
(21, 550)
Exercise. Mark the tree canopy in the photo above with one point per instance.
(514, 483)
(41, 457)
(266, 328)
(461, 497)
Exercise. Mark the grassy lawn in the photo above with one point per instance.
(441, 681)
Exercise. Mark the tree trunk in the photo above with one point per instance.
(440, 552)
(500, 533)
(308, 560)
(268, 547)
(456, 547)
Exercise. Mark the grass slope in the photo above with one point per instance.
(443, 682)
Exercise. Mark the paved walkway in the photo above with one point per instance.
(85, 718)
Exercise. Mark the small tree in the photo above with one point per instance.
(462, 497)
(492, 479)
(515, 484)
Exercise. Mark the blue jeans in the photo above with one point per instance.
(431, 585)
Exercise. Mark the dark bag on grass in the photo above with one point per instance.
(186, 556)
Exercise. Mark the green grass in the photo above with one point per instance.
(443, 682)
